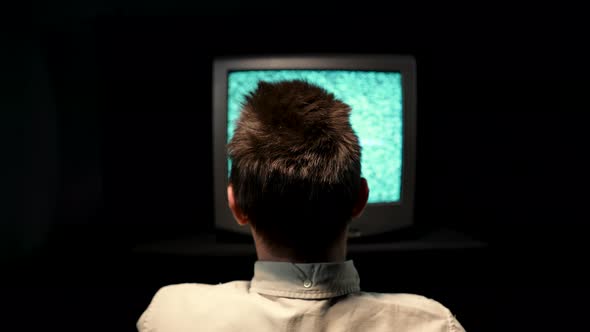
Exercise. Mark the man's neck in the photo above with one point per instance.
(270, 257)
(335, 254)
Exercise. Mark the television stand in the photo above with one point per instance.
(228, 244)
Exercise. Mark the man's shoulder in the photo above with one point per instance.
(174, 304)
(190, 290)
(408, 301)
(412, 305)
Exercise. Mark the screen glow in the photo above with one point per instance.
(376, 117)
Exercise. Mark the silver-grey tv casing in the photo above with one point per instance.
(377, 218)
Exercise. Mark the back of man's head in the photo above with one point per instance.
(296, 169)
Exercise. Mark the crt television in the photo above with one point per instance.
(381, 91)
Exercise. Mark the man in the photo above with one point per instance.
(296, 182)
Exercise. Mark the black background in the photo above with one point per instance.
(106, 125)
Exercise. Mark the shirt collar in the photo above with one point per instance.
(305, 281)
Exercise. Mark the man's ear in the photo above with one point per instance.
(241, 219)
(361, 201)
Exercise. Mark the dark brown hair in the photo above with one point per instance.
(295, 165)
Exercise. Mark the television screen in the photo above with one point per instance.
(381, 92)
(375, 98)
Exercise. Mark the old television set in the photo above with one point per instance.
(381, 91)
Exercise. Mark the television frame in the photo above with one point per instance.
(377, 218)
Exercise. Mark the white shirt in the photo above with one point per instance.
(292, 297)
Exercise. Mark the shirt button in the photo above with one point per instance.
(307, 283)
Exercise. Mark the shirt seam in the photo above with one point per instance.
(302, 292)
(279, 292)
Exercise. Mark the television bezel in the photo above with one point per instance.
(377, 218)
